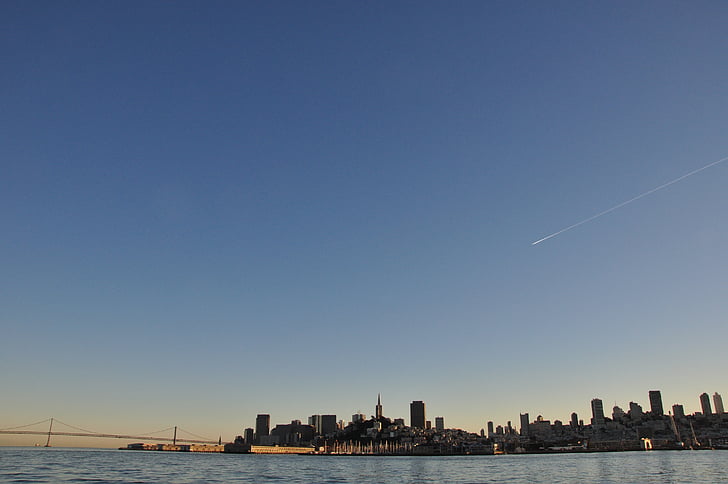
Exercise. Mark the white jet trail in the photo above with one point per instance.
(630, 200)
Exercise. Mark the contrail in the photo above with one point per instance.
(630, 200)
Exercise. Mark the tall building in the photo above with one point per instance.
(328, 425)
(656, 403)
(718, 403)
(490, 428)
(705, 404)
(617, 413)
(635, 410)
(249, 435)
(597, 412)
(417, 414)
(574, 420)
(378, 408)
(262, 426)
(439, 423)
(315, 421)
(524, 424)
(323, 424)
(678, 411)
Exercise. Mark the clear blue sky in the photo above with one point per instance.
(211, 210)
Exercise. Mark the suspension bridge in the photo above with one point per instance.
(72, 431)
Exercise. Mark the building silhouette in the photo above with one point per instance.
(378, 409)
(328, 424)
(718, 403)
(678, 411)
(439, 423)
(635, 411)
(491, 429)
(249, 435)
(417, 414)
(574, 420)
(524, 424)
(323, 424)
(705, 404)
(656, 403)
(262, 427)
(597, 412)
(292, 434)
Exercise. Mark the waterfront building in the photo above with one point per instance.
(262, 426)
(656, 403)
(678, 411)
(491, 430)
(249, 436)
(574, 420)
(705, 404)
(524, 424)
(378, 409)
(597, 412)
(417, 414)
(718, 403)
(439, 423)
(293, 433)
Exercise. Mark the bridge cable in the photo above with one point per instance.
(77, 428)
(158, 431)
(194, 435)
(28, 425)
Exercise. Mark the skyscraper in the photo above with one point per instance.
(262, 426)
(524, 424)
(597, 412)
(635, 411)
(440, 423)
(328, 425)
(705, 404)
(656, 403)
(378, 408)
(574, 420)
(417, 414)
(678, 411)
(315, 421)
(490, 428)
(718, 403)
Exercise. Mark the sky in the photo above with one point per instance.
(211, 210)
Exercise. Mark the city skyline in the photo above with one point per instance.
(325, 424)
(215, 211)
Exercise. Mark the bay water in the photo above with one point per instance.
(65, 465)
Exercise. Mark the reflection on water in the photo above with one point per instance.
(86, 465)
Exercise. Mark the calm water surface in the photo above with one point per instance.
(40, 465)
